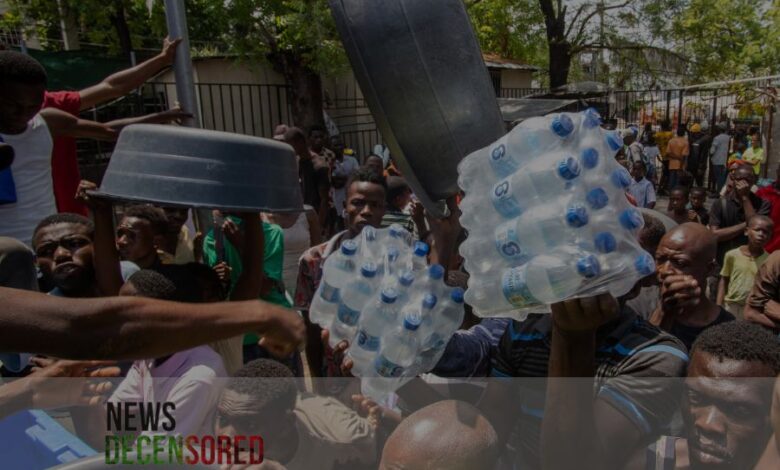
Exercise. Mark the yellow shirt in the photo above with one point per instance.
(755, 156)
(676, 152)
(741, 271)
(662, 139)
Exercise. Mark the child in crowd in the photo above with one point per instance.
(641, 188)
(140, 232)
(698, 197)
(678, 203)
(741, 265)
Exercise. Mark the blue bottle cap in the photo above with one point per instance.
(631, 219)
(597, 198)
(388, 295)
(429, 301)
(406, 279)
(621, 178)
(589, 157)
(562, 125)
(457, 295)
(498, 152)
(436, 271)
(420, 248)
(605, 242)
(392, 253)
(396, 231)
(614, 141)
(588, 267)
(591, 118)
(368, 270)
(568, 168)
(576, 216)
(645, 264)
(369, 233)
(412, 321)
(349, 247)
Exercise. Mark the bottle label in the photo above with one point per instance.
(328, 292)
(516, 290)
(348, 316)
(367, 342)
(386, 368)
(508, 244)
(504, 200)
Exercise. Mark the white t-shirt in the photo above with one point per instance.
(31, 170)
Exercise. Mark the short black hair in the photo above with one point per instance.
(279, 393)
(684, 189)
(396, 186)
(652, 232)
(759, 217)
(16, 67)
(740, 341)
(698, 189)
(680, 131)
(639, 164)
(151, 284)
(318, 128)
(154, 215)
(65, 218)
(365, 174)
(294, 134)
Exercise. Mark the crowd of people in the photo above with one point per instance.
(214, 317)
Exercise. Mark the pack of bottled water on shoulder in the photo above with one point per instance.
(379, 293)
(547, 217)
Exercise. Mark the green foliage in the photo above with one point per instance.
(512, 29)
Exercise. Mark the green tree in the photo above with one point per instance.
(512, 29)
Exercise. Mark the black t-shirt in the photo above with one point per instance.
(688, 334)
(314, 176)
(727, 212)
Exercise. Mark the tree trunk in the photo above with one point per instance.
(560, 63)
(122, 29)
(305, 90)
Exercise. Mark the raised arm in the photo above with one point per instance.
(163, 117)
(61, 123)
(250, 282)
(124, 81)
(135, 327)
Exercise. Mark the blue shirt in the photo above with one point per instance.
(643, 192)
(468, 353)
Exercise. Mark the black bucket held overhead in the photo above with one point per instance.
(421, 71)
(178, 166)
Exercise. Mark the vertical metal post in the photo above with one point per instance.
(668, 104)
(680, 109)
(714, 109)
(176, 19)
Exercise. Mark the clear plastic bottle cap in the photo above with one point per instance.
(369, 233)
(605, 242)
(576, 216)
(498, 152)
(349, 247)
(412, 321)
(568, 168)
(436, 271)
(588, 267)
(393, 253)
(621, 178)
(591, 118)
(589, 157)
(597, 198)
(614, 141)
(645, 264)
(429, 301)
(388, 295)
(420, 248)
(457, 295)
(368, 269)
(406, 279)
(631, 219)
(562, 125)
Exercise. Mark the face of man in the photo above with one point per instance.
(135, 239)
(176, 219)
(743, 173)
(697, 199)
(338, 146)
(638, 172)
(726, 411)
(317, 139)
(64, 256)
(19, 103)
(755, 140)
(759, 232)
(677, 201)
(375, 164)
(680, 253)
(365, 205)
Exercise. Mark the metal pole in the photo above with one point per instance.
(176, 18)
(668, 104)
(680, 110)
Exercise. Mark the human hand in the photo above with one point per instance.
(418, 213)
(678, 292)
(367, 408)
(92, 202)
(223, 272)
(233, 233)
(742, 188)
(169, 49)
(285, 333)
(50, 392)
(175, 114)
(693, 216)
(340, 357)
(585, 314)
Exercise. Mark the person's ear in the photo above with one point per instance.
(159, 241)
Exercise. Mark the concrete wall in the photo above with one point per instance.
(516, 78)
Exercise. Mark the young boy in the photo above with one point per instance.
(678, 202)
(741, 265)
(140, 232)
(698, 196)
(641, 188)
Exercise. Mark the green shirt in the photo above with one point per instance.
(741, 271)
(273, 256)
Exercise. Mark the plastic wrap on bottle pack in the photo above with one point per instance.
(547, 217)
(379, 293)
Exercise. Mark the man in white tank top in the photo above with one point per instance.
(30, 132)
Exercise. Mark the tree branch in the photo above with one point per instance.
(574, 19)
(590, 15)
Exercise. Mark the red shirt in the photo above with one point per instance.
(771, 194)
(64, 160)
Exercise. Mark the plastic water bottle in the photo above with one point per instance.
(448, 317)
(354, 297)
(559, 275)
(379, 317)
(370, 245)
(338, 270)
(432, 283)
(424, 310)
(403, 287)
(494, 296)
(622, 271)
(513, 195)
(420, 256)
(396, 354)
